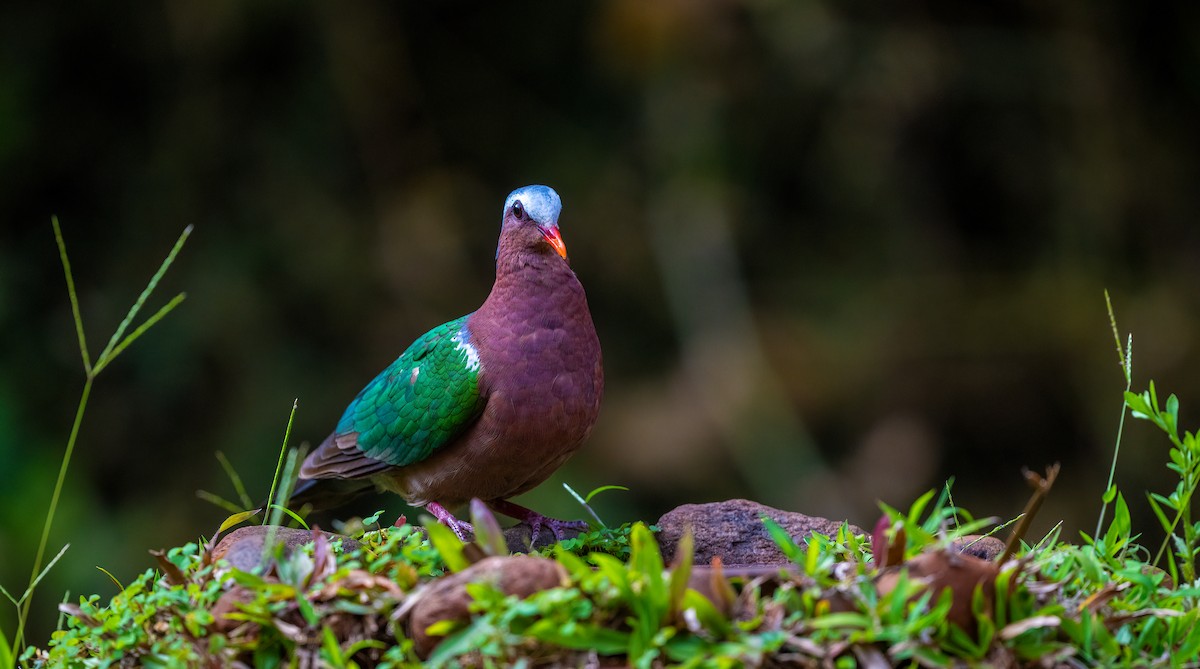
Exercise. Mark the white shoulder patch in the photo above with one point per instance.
(468, 349)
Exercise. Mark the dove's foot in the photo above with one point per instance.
(462, 529)
(536, 521)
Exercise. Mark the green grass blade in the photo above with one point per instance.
(488, 535)
(62, 254)
(102, 359)
(1126, 360)
(238, 486)
(603, 488)
(444, 541)
(217, 500)
(33, 586)
(35, 574)
(6, 655)
(158, 316)
(291, 514)
(276, 510)
(111, 578)
(584, 504)
(287, 433)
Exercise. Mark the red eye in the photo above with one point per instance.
(518, 210)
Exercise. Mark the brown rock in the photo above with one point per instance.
(447, 598)
(975, 545)
(243, 547)
(229, 603)
(732, 530)
(939, 570)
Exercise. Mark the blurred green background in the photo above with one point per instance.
(836, 253)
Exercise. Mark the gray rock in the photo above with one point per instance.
(732, 530)
(243, 547)
(984, 548)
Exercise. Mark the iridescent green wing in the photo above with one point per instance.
(428, 396)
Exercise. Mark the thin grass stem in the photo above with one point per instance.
(238, 486)
(275, 510)
(62, 254)
(217, 500)
(162, 269)
(584, 504)
(120, 586)
(19, 637)
(279, 465)
(1125, 358)
(91, 372)
(141, 329)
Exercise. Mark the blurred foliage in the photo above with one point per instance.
(836, 252)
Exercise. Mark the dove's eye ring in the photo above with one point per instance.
(518, 210)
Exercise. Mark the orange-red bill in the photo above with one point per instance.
(555, 240)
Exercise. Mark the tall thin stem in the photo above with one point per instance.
(58, 486)
(1125, 358)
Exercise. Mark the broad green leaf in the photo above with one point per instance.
(603, 640)
(681, 572)
(787, 545)
(6, 656)
(373, 518)
(1110, 494)
(918, 507)
(708, 615)
(332, 651)
(236, 519)
(487, 529)
(449, 546)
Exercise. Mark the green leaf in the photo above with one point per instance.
(1118, 530)
(6, 656)
(707, 613)
(1139, 404)
(488, 534)
(681, 572)
(459, 643)
(603, 640)
(446, 543)
(787, 545)
(283, 509)
(373, 518)
(1110, 494)
(597, 491)
(236, 519)
(835, 620)
(918, 507)
(332, 652)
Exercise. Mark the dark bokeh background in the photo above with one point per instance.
(836, 253)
